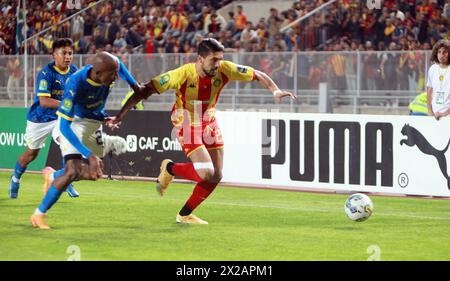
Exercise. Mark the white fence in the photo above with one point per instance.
(358, 82)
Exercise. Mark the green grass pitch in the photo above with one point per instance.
(124, 220)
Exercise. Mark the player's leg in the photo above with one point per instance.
(198, 170)
(35, 135)
(75, 169)
(48, 173)
(203, 189)
(21, 165)
(190, 138)
(94, 142)
(217, 155)
(213, 143)
(19, 169)
(71, 191)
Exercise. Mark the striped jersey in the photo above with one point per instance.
(196, 97)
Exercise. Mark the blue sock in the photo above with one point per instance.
(19, 170)
(59, 173)
(50, 198)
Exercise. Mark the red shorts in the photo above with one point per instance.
(192, 138)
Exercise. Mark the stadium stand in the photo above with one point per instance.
(175, 26)
(382, 59)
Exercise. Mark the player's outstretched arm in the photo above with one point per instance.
(125, 74)
(268, 83)
(48, 102)
(146, 91)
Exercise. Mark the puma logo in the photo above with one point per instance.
(414, 137)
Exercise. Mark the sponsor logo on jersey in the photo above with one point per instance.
(242, 69)
(164, 79)
(43, 85)
(66, 105)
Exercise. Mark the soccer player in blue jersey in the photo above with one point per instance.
(81, 115)
(42, 119)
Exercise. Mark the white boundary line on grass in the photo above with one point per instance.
(277, 188)
(307, 209)
(283, 207)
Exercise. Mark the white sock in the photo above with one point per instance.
(38, 212)
(14, 179)
(52, 177)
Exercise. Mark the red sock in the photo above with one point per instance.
(186, 171)
(201, 191)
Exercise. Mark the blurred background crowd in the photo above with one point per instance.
(177, 26)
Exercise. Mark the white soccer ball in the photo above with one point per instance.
(358, 207)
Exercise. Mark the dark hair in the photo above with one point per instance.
(209, 45)
(440, 44)
(61, 43)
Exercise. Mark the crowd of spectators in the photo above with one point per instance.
(176, 26)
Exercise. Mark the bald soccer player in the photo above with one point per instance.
(81, 115)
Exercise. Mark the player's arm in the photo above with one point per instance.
(159, 84)
(48, 102)
(268, 83)
(430, 93)
(66, 112)
(247, 74)
(114, 122)
(132, 101)
(95, 163)
(43, 91)
(126, 75)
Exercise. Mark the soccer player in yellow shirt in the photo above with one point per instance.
(198, 86)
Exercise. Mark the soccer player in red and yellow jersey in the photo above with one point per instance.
(198, 86)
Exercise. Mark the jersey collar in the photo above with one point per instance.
(93, 83)
(61, 71)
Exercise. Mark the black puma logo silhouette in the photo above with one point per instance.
(414, 137)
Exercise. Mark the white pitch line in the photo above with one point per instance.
(307, 209)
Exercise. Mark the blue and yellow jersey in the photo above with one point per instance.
(50, 82)
(84, 97)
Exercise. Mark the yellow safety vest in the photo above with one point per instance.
(419, 104)
(138, 106)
